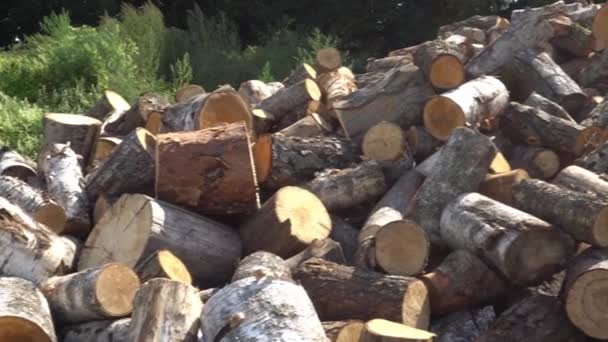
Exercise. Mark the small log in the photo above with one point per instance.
(137, 226)
(462, 166)
(287, 99)
(223, 105)
(262, 121)
(24, 313)
(341, 292)
(29, 250)
(328, 59)
(15, 165)
(525, 249)
(442, 63)
(188, 92)
(110, 102)
(369, 79)
(163, 264)
(346, 235)
(536, 319)
(288, 222)
(478, 21)
(262, 263)
(596, 160)
(119, 124)
(401, 248)
(309, 126)
(98, 331)
(381, 330)
(298, 113)
(462, 281)
(538, 162)
(472, 35)
(165, 310)
(421, 143)
(578, 179)
(253, 92)
(582, 215)
(598, 117)
(387, 63)
(299, 74)
(334, 328)
(261, 309)
(427, 166)
(78, 130)
(540, 102)
(346, 188)
(104, 146)
(92, 294)
(64, 182)
(573, 38)
(499, 187)
(471, 104)
(595, 71)
(398, 98)
(463, 326)
(384, 141)
(335, 86)
(34, 202)
(134, 156)
(584, 286)
(326, 249)
(209, 171)
(102, 205)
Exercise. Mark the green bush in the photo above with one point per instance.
(20, 125)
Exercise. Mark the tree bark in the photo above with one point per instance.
(481, 22)
(472, 104)
(526, 250)
(346, 235)
(261, 309)
(341, 292)
(104, 146)
(600, 26)
(442, 63)
(123, 123)
(582, 215)
(138, 226)
(110, 102)
(287, 99)
(499, 187)
(369, 79)
(165, 310)
(288, 222)
(163, 264)
(92, 294)
(581, 180)
(134, 156)
(596, 160)
(539, 162)
(598, 117)
(387, 63)
(24, 313)
(188, 92)
(595, 72)
(15, 165)
(421, 143)
(463, 326)
(64, 182)
(540, 102)
(573, 38)
(253, 92)
(299, 74)
(311, 125)
(335, 86)
(102, 205)
(98, 331)
(78, 130)
(262, 264)
(398, 98)
(326, 249)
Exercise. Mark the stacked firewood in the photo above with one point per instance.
(455, 192)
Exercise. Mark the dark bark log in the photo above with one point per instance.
(572, 37)
(326, 249)
(299, 74)
(387, 63)
(464, 326)
(98, 331)
(538, 162)
(110, 102)
(540, 102)
(123, 123)
(421, 143)
(596, 160)
(346, 235)
(288, 99)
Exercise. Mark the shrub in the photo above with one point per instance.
(20, 125)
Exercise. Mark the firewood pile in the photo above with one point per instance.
(456, 191)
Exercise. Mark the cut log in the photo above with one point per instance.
(165, 310)
(346, 188)
(328, 59)
(595, 72)
(499, 187)
(471, 104)
(540, 102)
(134, 156)
(298, 113)
(261, 309)
(463, 326)
(334, 328)
(335, 86)
(326, 249)
(262, 264)
(98, 331)
(64, 178)
(299, 74)
(24, 313)
(209, 171)
(572, 38)
(585, 289)
(341, 292)
(536, 319)
(499, 164)
(351, 332)
(119, 124)
(163, 264)
(102, 205)
(427, 166)
(78, 130)
(309, 126)
(401, 248)
(346, 235)
(600, 26)
(442, 63)
(381, 330)
(387, 63)
(525, 249)
(262, 121)
(462, 281)
(253, 92)
(288, 222)
(578, 179)
(188, 92)
(137, 226)
(399, 97)
(533, 71)
(154, 123)
(368, 79)
(102, 150)
(384, 141)
(37, 204)
(282, 161)
(15, 165)
(598, 117)
(538, 162)
(223, 105)
(30, 250)
(481, 22)
(110, 102)
(596, 160)
(421, 143)
(462, 166)
(582, 215)
(92, 294)
(287, 99)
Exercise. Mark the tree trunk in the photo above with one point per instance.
(163, 264)
(346, 235)
(381, 330)
(287, 99)
(223, 105)
(387, 63)
(463, 326)
(341, 292)
(462, 281)
(210, 171)
(582, 215)
(261, 309)
(24, 313)
(595, 72)
(165, 310)
(326, 249)
(64, 183)
(499, 187)
(262, 264)
(98, 331)
(542, 103)
(15, 165)
(584, 285)
(398, 98)
(535, 319)
(442, 63)
(299, 74)
(188, 92)
(134, 156)
(472, 104)
(92, 294)
(78, 130)
(526, 250)
(384, 141)
(29, 250)
(421, 143)
(309, 126)
(104, 146)
(110, 102)
(293, 116)
(35, 203)
(581, 180)
(138, 226)
(253, 92)
(288, 222)
(539, 162)
(346, 188)
(328, 59)
(462, 166)
(334, 328)
(572, 38)
(595, 161)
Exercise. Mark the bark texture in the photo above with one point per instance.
(463, 326)
(581, 180)
(540, 102)
(261, 264)
(123, 123)
(98, 331)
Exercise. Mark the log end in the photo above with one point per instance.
(441, 115)
(402, 248)
(499, 186)
(547, 163)
(312, 89)
(351, 332)
(399, 332)
(173, 267)
(587, 303)
(154, 122)
(329, 58)
(118, 103)
(384, 141)
(416, 307)
(115, 289)
(188, 92)
(310, 71)
(600, 228)
(262, 157)
(53, 216)
(500, 164)
(224, 107)
(72, 119)
(19, 329)
(447, 72)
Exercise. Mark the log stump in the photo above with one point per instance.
(78, 130)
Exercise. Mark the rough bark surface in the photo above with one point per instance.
(421, 143)
(463, 326)
(598, 117)
(299, 74)
(581, 180)
(98, 331)
(596, 160)
(120, 124)
(387, 63)
(326, 249)
(540, 102)
(595, 72)
(346, 235)
(261, 264)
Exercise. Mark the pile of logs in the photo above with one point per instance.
(458, 191)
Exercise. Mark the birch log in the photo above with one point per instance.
(78, 130)
(262, 264)
(15, 165)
